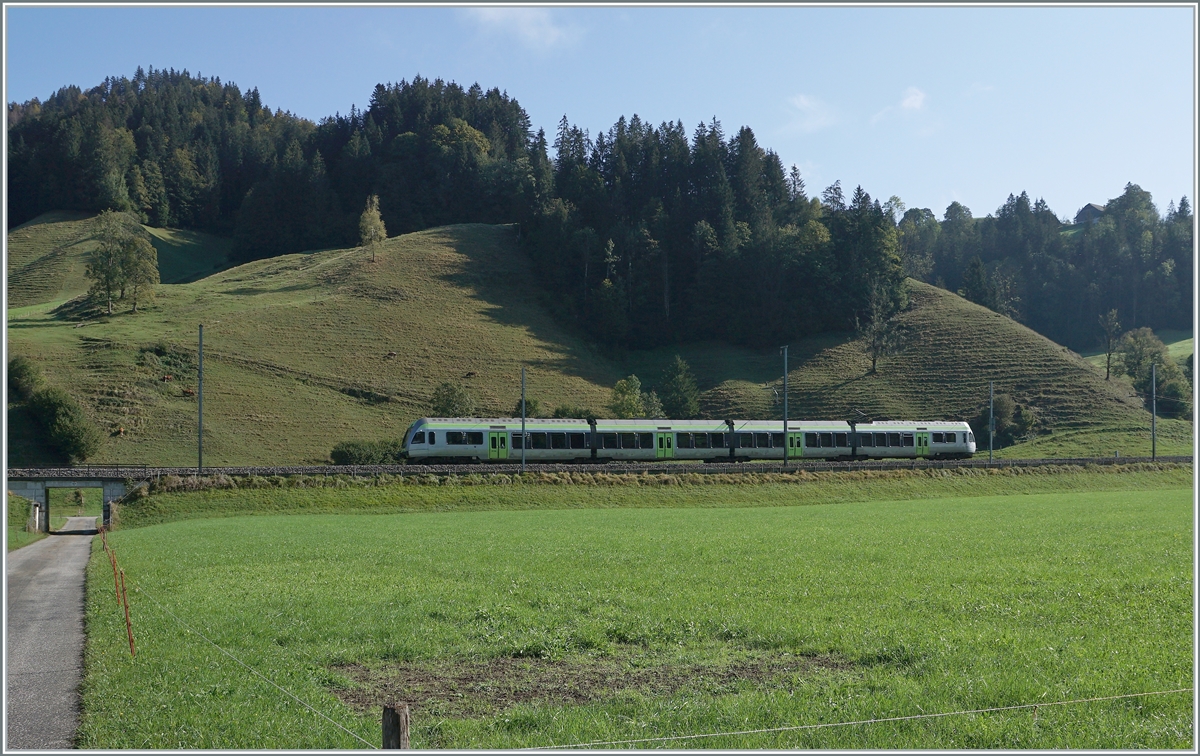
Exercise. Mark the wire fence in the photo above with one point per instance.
(252, 670)
(793, 728)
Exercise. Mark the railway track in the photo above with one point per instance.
(143, 472)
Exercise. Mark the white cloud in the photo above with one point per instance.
(911, 100)
(808, 114)
(536, 28)
(914, 99)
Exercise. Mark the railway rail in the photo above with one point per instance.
(143, 472)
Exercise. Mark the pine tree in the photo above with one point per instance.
(680, 397)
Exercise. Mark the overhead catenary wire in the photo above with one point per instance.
(855, 722)
(254, 671)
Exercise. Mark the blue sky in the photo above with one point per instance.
(930, 104)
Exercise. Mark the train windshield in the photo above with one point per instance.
(407, 435)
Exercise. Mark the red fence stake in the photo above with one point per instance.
(128, 626)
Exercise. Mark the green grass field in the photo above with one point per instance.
(573, 614)
(306, 350)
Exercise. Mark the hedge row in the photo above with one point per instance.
(367, 453)
(171, 483)
(66, 426)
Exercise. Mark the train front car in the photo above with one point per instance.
(439, 440)
(904, 439)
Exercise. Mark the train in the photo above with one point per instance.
(442, 440)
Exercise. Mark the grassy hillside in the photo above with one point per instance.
(48, 255)
(306, 350)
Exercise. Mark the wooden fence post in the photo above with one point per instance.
(112, 558)
(395, 725)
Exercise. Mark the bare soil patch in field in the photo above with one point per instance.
(461, 688)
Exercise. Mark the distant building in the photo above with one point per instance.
(1089, 213)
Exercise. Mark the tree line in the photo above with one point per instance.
(641, 236)
(1058, 278)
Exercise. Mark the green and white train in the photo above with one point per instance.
(439, 440)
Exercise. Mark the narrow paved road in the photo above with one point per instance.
(45, 637)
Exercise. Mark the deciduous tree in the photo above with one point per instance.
(877, 328)
(451, 400)
(371, 230)
(1110, 326)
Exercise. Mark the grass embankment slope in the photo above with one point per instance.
(47, 256)
(306, 350)
(570, 623)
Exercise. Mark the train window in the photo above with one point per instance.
(811, 440)
(537, 441)
(938, 438)
(762, 440)
(646, 440)
(743, 441)
(893, 439)
(608, 441)
(881, 439)
(701, 440)
(558, 440)
(906, 439)
(628, 440)
(866, 439)
(456, 438)
(578, 440)
(683, 441)
(475, 437)
(777, 440)
(841, 439)
(432, 437)
(951, 438)
(716, 440)
(516, 441)
(970, 437)
(827, 440)
(419, 437)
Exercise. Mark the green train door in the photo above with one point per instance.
(922, 441)
(497, 445)
(795, 450)
(664, 446)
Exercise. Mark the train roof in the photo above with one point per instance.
(715, 425)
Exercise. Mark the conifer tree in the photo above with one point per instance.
(680, 397)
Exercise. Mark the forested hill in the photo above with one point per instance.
(640, 236)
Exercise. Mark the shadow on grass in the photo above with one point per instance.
(498, 274)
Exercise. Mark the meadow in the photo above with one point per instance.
(536, 614)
